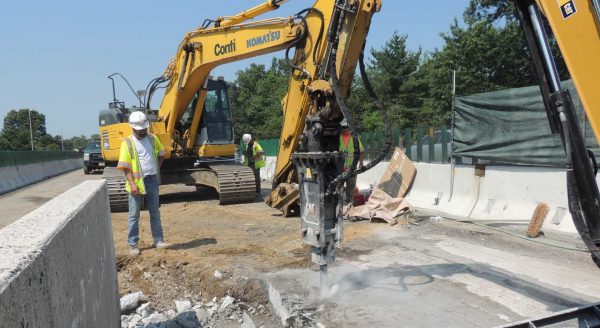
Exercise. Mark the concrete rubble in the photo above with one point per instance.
(187, 314)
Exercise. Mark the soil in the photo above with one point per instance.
(215, 250)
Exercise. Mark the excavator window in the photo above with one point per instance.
(216, 118)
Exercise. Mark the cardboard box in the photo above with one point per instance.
(398, 176)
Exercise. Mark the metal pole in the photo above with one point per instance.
(452, 159)
(30, 130)
(62, 140)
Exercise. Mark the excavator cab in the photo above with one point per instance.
(216, 125)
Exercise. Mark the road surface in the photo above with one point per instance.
(16, 204)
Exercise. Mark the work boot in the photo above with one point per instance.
(161, 245)
(134, 250)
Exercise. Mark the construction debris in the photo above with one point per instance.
(537, 220)
(131, 301)
(380, 206)
(187, 314)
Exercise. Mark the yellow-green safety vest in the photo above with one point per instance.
(128, 159)
(255, 149)
(348, 151)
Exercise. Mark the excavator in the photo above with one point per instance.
(328, 40)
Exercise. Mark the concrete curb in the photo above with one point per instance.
(58, 263)
(15, 177)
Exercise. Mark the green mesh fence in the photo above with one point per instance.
(270, 146)
(14, 158)
(422, 144)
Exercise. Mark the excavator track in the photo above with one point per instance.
(235, 183)
(117, 195)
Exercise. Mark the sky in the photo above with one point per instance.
(55, 56)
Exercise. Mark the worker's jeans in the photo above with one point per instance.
(256, 178)
(152, 203)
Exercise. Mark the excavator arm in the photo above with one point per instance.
(329, 39)
(206, 48)
(576, 27)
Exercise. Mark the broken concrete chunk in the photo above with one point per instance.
(171, 314)
(155, 318)
(183, 305)
(218, 274)
(144, 310)
(131, 301)
(203, 316)
(133, 321)
(227, 301)
(247, 321)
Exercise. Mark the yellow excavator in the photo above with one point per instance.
(328, 39)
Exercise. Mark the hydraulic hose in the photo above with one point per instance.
(336, 184)
(334, 38)
(386, 122)
(293, 44)
(318, 42)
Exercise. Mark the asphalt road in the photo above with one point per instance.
(18, 203)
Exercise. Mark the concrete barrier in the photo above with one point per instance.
(503, 194)
(15, 177)
(57, 266)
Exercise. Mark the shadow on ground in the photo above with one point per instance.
(194, 243)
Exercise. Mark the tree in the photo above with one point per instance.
(81, 141)
(16, 129)
(488, 54)
(393, 71)
(257, 99)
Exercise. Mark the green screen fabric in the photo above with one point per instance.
(511, 126)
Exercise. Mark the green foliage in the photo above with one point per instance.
(487, 51)
(257, 99)
(16, 134)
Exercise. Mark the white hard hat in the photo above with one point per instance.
(344, 123)
(138, 121)
(246, 138)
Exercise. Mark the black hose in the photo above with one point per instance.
(386, 121)
(337, 182)
(318, 42)
(287, 50)
(153, 87)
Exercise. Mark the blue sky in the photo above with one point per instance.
(55, 56)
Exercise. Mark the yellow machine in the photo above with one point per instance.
(328, 38)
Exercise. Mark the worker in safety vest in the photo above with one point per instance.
(140, 159)
(347, 149)
(254, 158)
